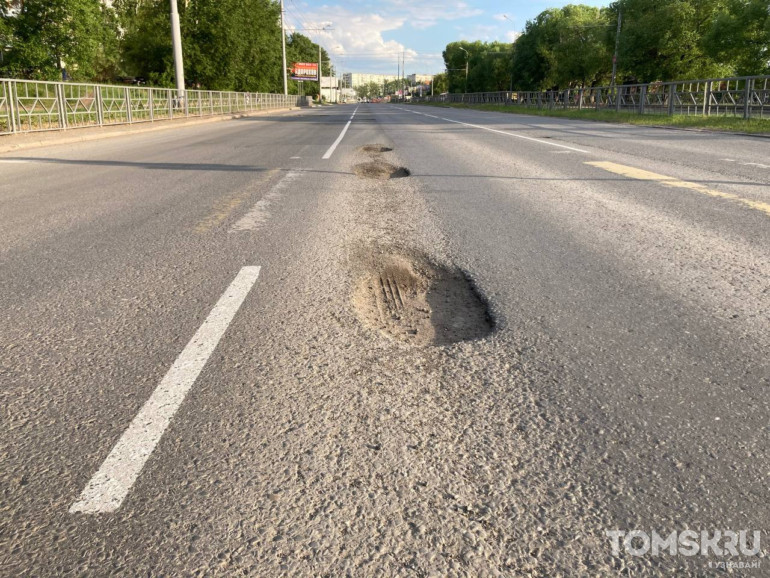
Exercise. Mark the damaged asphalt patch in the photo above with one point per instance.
(376, 148)
(409, 298)
(380, 170)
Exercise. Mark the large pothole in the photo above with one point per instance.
(380, 170)
(376, 148)
(411, 299)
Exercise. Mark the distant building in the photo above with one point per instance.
(356, 79)
(419, 79)
(330, 88)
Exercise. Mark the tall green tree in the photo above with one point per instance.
(581, 56)
(227, 44)
(440, 83)
(740, 37)
(51, 38)
(370, 90)
(664, 40)
(488, 66)
(533, 54)
(146, 50)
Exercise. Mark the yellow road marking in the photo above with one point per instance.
(639, 174)
(222, 210)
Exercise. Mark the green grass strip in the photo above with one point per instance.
(715, 123)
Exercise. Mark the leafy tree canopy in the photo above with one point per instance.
(573, 46)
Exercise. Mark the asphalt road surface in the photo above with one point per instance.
(240, 349)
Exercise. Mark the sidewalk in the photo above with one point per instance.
(22, 141)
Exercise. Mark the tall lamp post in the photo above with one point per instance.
(283, 52)
(176, 39)
(617, 48)
(515, 36)
(467, 59)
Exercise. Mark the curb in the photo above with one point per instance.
(62, 137)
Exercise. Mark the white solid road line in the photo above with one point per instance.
(332, 148)
(110, 485)
(506, 133)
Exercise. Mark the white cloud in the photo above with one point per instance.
(422, 15)
(355, 39)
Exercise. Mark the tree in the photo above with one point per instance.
(226, 41)
(50, 38)
(227, 44)
(664, 40)
(440, 83)
(533, 58)
(6, 36)
(488, 66)
(146, 50)
(369, 90)
(392, 87)
(582, 56)
(740, 37)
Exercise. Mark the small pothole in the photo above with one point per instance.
(376, 148)
(412, 299)
(380, 170)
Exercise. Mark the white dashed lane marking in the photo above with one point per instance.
(110, 485)
(747, 164)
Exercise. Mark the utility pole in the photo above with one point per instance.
(617, 49)
(283, 51)
(320, 78)
(403, 75)
(398, 73)
(467, 60)
(176, 39)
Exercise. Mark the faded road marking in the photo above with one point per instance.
(259, 213)
(643, 175)
(221, 211)
(223, 208)
(747, 164)
(110, 485)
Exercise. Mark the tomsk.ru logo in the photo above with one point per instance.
(685, 543)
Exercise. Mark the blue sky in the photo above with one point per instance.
(366, 36)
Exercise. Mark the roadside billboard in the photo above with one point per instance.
(304, 71)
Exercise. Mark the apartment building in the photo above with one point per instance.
(415, 79)
(356, 79)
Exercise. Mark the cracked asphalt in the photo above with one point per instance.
(624, 387)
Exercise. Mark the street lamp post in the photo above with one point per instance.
(176, 39)
(617, 48)
(283, 52)
(467, 59)
(512, 45)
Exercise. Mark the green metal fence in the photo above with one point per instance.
(32, 106)
(745, 97)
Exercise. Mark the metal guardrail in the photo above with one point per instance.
(33, 106)
(746, 97)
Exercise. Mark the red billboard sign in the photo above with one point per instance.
(304, 71)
